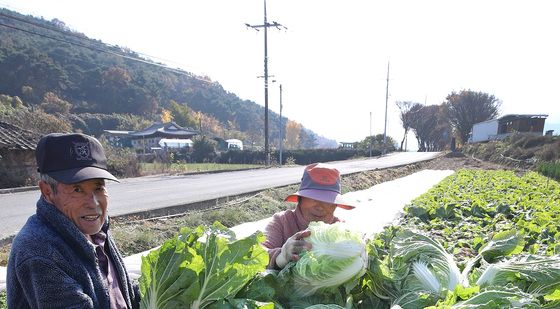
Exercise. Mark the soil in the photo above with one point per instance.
(151, 232)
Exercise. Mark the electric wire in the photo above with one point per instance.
(93, 48)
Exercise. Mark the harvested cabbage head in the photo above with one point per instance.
(338, 257)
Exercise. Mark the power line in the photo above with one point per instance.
(81, 36)
(93, 48)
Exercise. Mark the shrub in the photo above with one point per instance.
(203, 150)
(121, 162)
(549, 152)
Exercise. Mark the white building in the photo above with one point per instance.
(500, 128)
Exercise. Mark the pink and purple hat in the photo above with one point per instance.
(321, 182)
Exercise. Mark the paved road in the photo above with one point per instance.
(136, 195)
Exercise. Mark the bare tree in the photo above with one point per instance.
(404, 108)
(430, 126)
(469, 107)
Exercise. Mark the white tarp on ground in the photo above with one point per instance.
(379, 206)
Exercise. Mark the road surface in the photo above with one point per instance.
(159, 193)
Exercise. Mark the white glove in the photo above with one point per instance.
(292, 248)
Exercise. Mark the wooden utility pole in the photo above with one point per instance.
(266, 25)
(281, 139)
(386, 103)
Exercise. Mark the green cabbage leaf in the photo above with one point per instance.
(200, 267)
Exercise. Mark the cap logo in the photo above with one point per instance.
(82, 151)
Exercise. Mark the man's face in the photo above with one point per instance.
(314, 210)
(85, 203)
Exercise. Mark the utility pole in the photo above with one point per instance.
(386, 102)
(281, 139)
(370, 137)
(266, 25)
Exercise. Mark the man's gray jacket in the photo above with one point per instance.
(52, 265)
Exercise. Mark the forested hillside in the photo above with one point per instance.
(91, 86)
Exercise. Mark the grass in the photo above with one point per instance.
(550, 169)
(137, 236)
(180, 168)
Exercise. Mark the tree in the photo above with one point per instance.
(52, 104)
(203, 150)
(166, 115)
(404, 108)
(292, 137)
(376, 142)
(468, 107)
(430, 126)
(308, 139)
(182, 115)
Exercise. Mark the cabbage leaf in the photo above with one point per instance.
(338, 257)
(199, 267)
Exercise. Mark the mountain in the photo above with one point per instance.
(50, 66)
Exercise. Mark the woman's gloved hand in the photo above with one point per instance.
(292, 248)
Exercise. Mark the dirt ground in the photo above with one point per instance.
(456, 161)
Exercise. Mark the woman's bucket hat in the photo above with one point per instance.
(321, 182)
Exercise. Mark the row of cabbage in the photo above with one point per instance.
(476, 240)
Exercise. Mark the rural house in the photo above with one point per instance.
(17, 156)
(500, 128)
(154, 136)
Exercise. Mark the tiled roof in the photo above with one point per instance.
(13, 137)
(169, 128)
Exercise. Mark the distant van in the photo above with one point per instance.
(234, 144)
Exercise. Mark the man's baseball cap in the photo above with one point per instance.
(71, 158)
(321, 182)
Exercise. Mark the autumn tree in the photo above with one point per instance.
(52, 104)
(210, 125)
(166, 115)
(182, 115)
(404, 108)
(292, 136)
(468, 107)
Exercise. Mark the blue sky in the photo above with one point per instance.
(332, 59)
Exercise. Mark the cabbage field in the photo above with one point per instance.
(479, 239)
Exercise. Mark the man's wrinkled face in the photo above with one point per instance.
(85, 203)
(314, 210)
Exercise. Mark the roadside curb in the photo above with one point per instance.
(18, 189)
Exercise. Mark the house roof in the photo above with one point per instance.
(118, 132)
(168, 128)
(521, 116)
(14, 137)
(510, 117)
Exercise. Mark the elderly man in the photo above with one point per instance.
(64, 256)
(317, 199)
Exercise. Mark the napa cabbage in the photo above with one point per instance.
(202, 267)
(338, 257)
(537, 275)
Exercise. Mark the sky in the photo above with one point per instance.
(333, 59)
